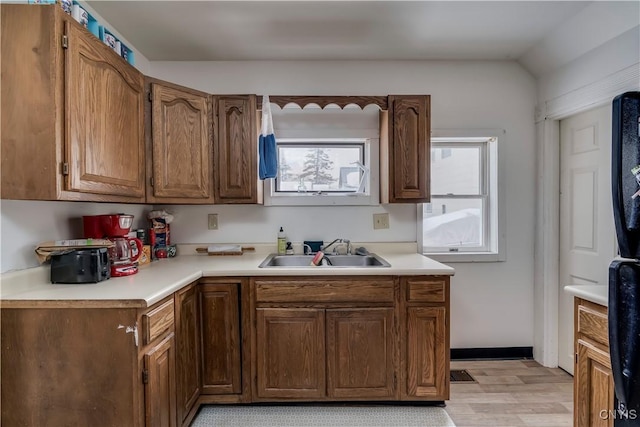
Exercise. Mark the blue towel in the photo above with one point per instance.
(268, 166)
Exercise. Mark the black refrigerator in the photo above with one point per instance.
(624, 273)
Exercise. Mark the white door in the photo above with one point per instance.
(587, 233)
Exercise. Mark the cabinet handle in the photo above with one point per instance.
(65, 42)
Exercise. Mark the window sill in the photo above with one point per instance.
(321, 200)
(466, 257)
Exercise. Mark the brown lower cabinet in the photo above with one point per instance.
(290, 353)
(159, 379)
(351, 338)
(224, 340)
(425, 338)
(360, 353)
(220, 337)
(189, 381)
(315, 354)
(593, 379)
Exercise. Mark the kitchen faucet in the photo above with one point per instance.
(339, 241)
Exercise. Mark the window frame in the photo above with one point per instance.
(370, 197)
(359, 143)
(492, 184)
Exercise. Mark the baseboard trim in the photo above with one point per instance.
(492, 353)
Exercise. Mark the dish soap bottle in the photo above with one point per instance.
(282, 242)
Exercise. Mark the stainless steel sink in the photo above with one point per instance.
(341, 261)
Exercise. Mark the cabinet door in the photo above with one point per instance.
(220, 325)
(104, 119)
(360, 353)
(182, 151)
(188, 350)
(409, 151)
(290, 353)
(236, 149)
(593, 387)
(427, 374)
(160, 384)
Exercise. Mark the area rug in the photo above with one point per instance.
(322, 416)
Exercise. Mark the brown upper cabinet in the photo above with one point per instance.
(180, 160)
(235, 150)
(404, 157)
(72, 112)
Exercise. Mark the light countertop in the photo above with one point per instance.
(594, 293)
(161, 278)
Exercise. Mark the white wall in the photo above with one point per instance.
(24, 224)
(587, 81)
(492, 303)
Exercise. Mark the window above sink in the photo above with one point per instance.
(326, 157)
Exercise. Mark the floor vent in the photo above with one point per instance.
(461, 376)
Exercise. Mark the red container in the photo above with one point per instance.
(93, 227)
(116, 225)
(100, 226)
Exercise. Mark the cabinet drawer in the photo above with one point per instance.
(319, 291)
(593, 324)
(426, 290)
(157, 321)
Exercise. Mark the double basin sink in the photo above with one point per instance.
(340, 261)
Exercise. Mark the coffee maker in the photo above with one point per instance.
(125, 251)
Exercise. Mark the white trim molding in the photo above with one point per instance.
(592, 95)
(547, 244)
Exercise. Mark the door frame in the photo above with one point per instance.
(546, 279)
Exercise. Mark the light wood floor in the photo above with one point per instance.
(511, 393)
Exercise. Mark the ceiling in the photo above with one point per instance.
(338, 30)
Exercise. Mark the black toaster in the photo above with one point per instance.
(80, 266)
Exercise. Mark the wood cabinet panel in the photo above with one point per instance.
(290, 353)
(105, 119)
(426, 290)
(370, 289)
(593, 323)
(181, 145)
(236, 149)
(594, 391)
(157, 321)
(187, 350)
(160, 384)
(73, 115)
(69, 367)
(360, 345)
(221, 361)
(31, 131)
(427, 356)
(408, 150)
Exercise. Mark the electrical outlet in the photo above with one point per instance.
(380, 221)
(213, 221)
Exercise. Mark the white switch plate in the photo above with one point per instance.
(213, 221)
(380, 221)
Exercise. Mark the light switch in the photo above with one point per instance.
(380, 221)
(213, 221)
